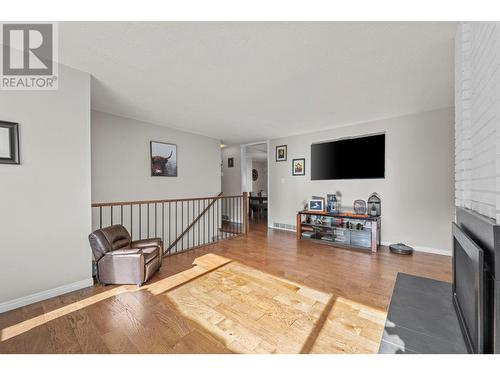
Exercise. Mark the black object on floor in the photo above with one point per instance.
(422, 319)
(401, 248)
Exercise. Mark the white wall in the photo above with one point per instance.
(121, 161)
(417, 193)
(477, 117)
(45, 201)
(231, 177)
(261, 183)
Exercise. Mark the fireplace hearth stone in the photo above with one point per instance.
(422, 319)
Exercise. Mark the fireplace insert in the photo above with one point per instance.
(476, 279)
(468, 289)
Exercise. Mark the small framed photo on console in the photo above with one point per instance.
(316, 205)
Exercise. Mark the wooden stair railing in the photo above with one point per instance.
(194, 222)
(182, 224)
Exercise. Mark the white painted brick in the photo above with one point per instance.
(477, 117)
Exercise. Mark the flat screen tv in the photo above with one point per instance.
(352, 158)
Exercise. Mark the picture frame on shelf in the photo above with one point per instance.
(359, 207)
(317, 205)
(281, 153)
(9, 143)
(332, 204)
(299, 167)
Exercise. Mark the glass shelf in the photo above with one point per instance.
(335, 227)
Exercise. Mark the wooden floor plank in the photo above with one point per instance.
(118, 343)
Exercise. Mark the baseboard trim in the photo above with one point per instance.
(40, 296)
(286, 230)
(422, 249)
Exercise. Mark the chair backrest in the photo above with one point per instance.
(108, 239)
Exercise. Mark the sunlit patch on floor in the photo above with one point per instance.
(251, 311)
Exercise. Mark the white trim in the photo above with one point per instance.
(236, 221)
(243, 156)
(425, 249)
(286, 230)
(40, 296)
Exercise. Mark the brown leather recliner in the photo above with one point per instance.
(121, 260)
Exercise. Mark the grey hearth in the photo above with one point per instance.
(422, 319)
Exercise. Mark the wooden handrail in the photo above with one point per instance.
(128, 203)
(194, 221)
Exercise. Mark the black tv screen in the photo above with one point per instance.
(352, 158)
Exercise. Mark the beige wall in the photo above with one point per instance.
(121, 161)
(45, 201)
(417, 193)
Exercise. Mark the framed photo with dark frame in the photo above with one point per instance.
(9, 143)
(281, 153)
(230, 162)
(163, 159)
(299, 167)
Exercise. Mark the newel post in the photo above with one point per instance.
(245, 213)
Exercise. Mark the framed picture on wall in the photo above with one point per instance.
(163, 159)
(9, 143)
(230, 162)
(281, 153)
(299, 167)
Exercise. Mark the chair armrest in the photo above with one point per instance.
(124, 266)
(124, 252)
(149, 242)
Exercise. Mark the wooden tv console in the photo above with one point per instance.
(340, 229)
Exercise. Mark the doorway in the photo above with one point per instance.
(255, 179)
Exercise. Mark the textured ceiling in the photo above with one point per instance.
(248, 81)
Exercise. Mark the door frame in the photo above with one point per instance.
(243, 166)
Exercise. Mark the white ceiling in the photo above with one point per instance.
(249, 81)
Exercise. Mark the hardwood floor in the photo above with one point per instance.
(266, 293)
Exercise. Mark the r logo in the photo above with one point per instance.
(27, 49)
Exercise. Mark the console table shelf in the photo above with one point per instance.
(342, 229)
